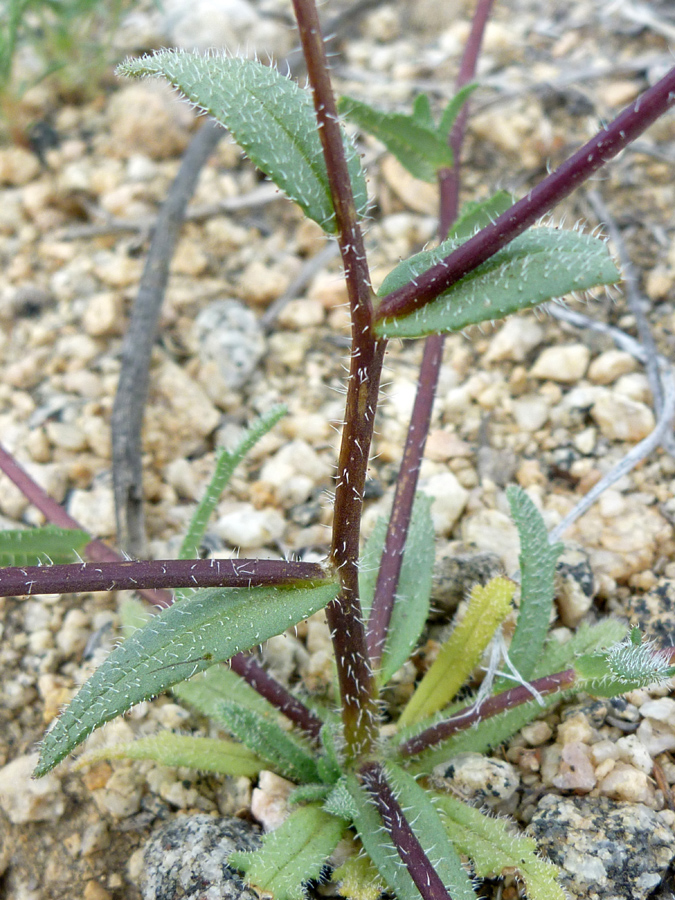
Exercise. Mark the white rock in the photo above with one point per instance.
(294, 472)
(103, 315)
(490, 529)
(530, 412)
(249, 528)
(662, 709)
(480, 778)
(635, 386)
(633, 751)
(146, 117)
(94, 509)
(26, 800)
(611, 365)
(627, 783)
(269, 801)
(515, 339)
(449, 500)
(230, 344)
(622, 419)
(231, 24)
(302, 313)
(657, 737)
(122, 794)
(566, 364)
(576, 770)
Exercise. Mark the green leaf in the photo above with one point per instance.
(329, 763)
(488, 606)
(41, 546)
(418, 148)
(269, 116)
(283, 751)
(477, 214)
(226, 463)
(537, 266)
(291, 854)
(430, 832)
(203, 754)
(339, 801)
(538, 560)
(206, 691)
(186, 638)
(626, 666)
(411, 608)
(358, 879)
(451, 111)
(494, 849)
(377, 843)
(422, 112)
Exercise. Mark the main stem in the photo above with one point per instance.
(355, 677)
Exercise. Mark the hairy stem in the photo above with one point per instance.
(132, 575)
(427, 881)
(470, 715)
(357, 685)
(420, 420)
(613, 138)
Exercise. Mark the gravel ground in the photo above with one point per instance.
(536, 401)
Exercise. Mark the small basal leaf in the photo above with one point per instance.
(495, 850)
(418, 148)
(291, 854)
(535, 267)
(282, 750)
(411, 607)
(226, 462)
(269, 116)
(186, 638)
(477, 214)
(451, 111)
(358, 879)
(460, 654)
(538, 560)
(377, 843)
(203, 754)
(41, 546)
(425, 821)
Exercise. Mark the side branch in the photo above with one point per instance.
(135, 575)
(427, 880)
(578, 168)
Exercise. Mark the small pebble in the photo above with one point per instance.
(622, 419)
(565, 364)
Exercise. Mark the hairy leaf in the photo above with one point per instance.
(538, 560)
(495, 850)
(184, 639)
(226, 462)
(358, 879)
(207, 690)
(477, 214)
(283, 751)
(625, 667)
(291, 854)
(537, 266)
(430, 832)
(451, 111)
(378, 844)
(269, 116)
(421, 150)
(37, 546)
(204, 754)
(411, 607)
(460, 654)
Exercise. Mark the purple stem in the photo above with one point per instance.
(135, 575)
(471, 715)
(355, 678)
(420, 420)
(613, 138)
(248, 668)
(40, 577)
(427, 880)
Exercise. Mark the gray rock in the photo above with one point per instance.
(458, 568)
(606, 850)
(230, 343)
(187, 859)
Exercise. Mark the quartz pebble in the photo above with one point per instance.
(566, 364)
(24, 799)
(576, 769)
(610, 365)
(479, 778)
(494, 531)
(449, 500)
(269, 801)
(515, 340)
(250, 528)
(621, 419)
